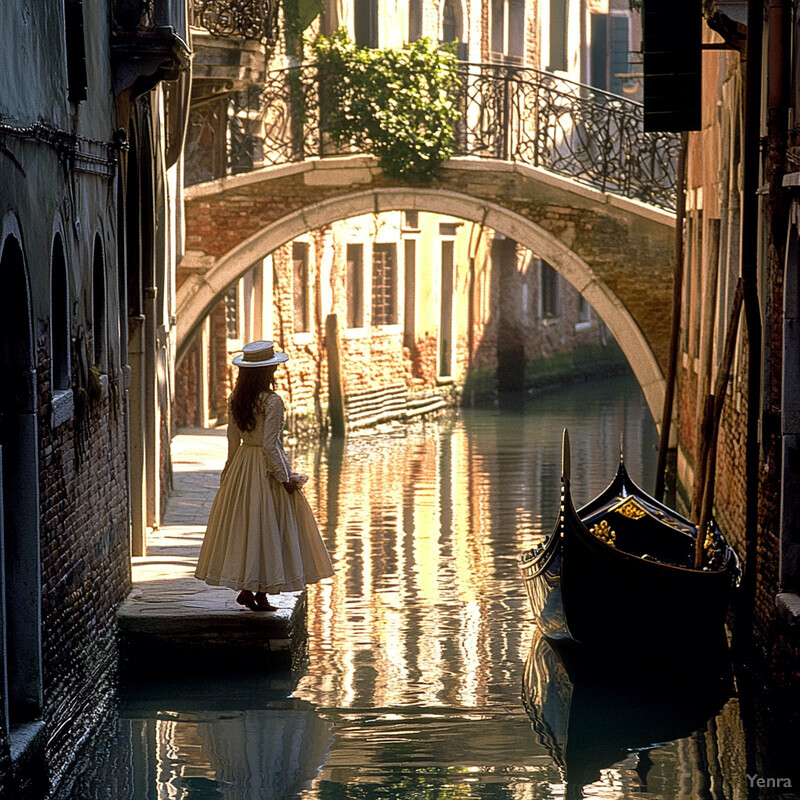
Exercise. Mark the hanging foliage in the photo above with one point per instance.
(397, 103)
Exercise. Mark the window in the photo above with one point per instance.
(610, 51)
(355, 286)
(453, 27)
(99, 333)
(449, 24)
(366, 22)
(550, 289)
(498, 26)
(59, 316)
(584, 310)
(302, 321)
(515, 25)
(384, 284)
(411, 220)
(508, 30)
(414, 20)
(449, 228)
(558, 34)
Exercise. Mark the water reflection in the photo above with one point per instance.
(594, 710)
(425, 524)
(418, 644)
(240, 738)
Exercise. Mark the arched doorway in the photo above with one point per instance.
(20, 576)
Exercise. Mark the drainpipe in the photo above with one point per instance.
(752, 312)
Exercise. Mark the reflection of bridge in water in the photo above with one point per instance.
(508, 113)
(565, 170)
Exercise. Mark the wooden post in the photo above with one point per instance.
(335, 392)
(708, 469)
(675, 326)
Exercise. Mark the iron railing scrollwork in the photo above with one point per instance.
(509, 113)
(245, 19)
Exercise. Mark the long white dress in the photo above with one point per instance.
(260, 537)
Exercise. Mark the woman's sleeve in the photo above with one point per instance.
(277, 460)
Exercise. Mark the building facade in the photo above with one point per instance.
(741, 210)
(88, 242)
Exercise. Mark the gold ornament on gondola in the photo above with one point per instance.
(604, 533)
(630, 509)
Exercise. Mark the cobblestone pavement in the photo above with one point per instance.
(167, 600)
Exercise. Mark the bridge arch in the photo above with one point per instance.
(203, 288)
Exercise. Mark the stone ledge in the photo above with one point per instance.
(173, 621)
(62, 407)
(788, 607)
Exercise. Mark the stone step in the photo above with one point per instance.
(172, 621)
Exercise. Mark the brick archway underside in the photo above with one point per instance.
(617, 253)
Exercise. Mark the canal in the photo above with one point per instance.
(425, 677)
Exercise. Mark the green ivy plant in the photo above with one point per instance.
(397, 103)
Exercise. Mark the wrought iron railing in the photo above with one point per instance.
(245, 19)
(507, 113)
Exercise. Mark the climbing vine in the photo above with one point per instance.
(396, 103)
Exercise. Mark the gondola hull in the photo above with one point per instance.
(622, 569)
(606, 592)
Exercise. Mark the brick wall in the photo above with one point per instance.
(85, 564)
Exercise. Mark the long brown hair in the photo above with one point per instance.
(252, 381)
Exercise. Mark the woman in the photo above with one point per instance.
(262, 537)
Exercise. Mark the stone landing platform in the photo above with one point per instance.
(173, 622)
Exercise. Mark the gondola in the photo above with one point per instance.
(592, 711)
(621, 569)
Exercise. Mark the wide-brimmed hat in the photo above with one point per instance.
(259, 354)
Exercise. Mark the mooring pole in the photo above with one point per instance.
(335, 392)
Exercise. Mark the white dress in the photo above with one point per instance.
(260, 537)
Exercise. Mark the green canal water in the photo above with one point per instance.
(425, 678)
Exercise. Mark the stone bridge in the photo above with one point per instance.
(617, 252)
(566, 170)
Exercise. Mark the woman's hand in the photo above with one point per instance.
(290, 486)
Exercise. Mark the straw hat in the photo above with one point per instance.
(259, 354)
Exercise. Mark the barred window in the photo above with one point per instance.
(384, 284)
